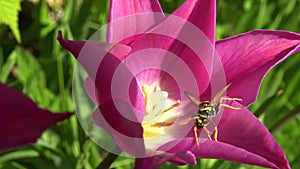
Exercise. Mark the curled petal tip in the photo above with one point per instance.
(59, 35)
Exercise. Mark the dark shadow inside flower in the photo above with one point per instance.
(127, 134)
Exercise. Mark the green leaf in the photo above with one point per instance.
(33, 79)
(9, 15)
(7, 67)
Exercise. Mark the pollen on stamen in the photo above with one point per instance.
(162, 124)
(175, 105)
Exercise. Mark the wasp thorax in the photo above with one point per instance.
(208, 108)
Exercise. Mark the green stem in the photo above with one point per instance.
(108, 160)
(61, 82)
(286, 119)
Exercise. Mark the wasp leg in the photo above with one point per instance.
(186, 121)
(231, 107)
(207, 132)
(229, 98)
(216, 131)
(196, 136)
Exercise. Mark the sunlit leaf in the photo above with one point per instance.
(8, 67)
(9, 15)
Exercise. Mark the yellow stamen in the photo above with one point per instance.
(146, 91)
(162, 124)
(158, 116)
(171, 107)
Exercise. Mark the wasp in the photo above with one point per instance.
(209, 109)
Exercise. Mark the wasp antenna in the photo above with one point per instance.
(221, 92)
(231, 107)
(231, 98)
(186, 93)
(192, 98)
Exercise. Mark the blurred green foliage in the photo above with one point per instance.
(42, 69)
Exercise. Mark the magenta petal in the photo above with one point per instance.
(123, 126)
(101, 61)
(242, 138)
(123, 122)
(201, 13)
(197, 62)
(188, 37)
(182, 158)
(222, 151)
(114, 81)
(98, 48)
(119, 9)
(142, 15)
(229, 152)
(22, 121)
(247, 58)
(242, 129)
(90, 54)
